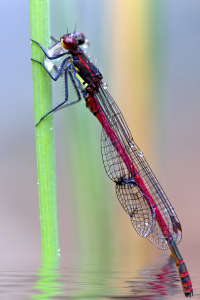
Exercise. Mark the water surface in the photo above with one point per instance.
(57, 279)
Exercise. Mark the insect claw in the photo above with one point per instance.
(38, 123)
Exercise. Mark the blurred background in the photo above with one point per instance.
(148, 52)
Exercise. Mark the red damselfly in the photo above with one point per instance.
(137, 188)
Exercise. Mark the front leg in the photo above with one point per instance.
(60, 71)
(45, 52)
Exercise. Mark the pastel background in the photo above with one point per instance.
(148, 52)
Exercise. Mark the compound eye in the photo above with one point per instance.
(81, 38)
(69, 43)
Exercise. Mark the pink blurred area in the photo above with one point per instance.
(165, 124)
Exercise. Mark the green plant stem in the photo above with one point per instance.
(45, 149)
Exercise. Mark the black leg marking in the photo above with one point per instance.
(55, 68)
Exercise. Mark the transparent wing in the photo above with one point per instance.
(56, 49)
(116, 168)
(113, 163)
(137, 207)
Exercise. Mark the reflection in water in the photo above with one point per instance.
(113, 281)
(57, 279)
(160, 278)
(48, 284)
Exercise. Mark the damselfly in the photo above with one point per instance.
(137, 188)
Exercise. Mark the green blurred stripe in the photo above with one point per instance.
(88, 182)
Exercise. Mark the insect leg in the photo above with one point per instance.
(63, 65)
(47, 55)
(61, 105)
(66, 90)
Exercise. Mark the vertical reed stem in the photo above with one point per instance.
(45, 149)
